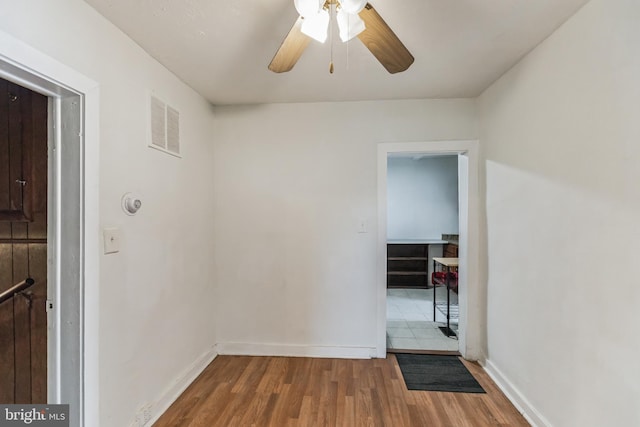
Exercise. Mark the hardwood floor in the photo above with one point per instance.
(289, 391)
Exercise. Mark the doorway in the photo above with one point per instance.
(23, 244)
(422, 227)
(72, 224)
(469, 319)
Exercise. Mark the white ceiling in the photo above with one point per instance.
(222, 48)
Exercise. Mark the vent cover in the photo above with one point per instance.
(158, 123)
(165, 127)
(173, 130)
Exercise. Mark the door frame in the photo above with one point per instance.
(471, 310)
(73, 224)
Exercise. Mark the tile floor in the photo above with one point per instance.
(410, 324)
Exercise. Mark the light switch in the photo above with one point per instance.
(111, 240)
(362, 225)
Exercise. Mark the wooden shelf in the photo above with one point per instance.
(407, 273)
(408, 264)
(447, 262)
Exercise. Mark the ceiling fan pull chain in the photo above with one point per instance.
(331, 9)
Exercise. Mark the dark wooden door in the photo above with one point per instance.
(23, 244)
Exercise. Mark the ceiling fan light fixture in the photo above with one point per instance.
(349, 25)
(316, 26)
(352, 16)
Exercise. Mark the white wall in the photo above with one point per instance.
(291, 182)
(560, 135)
(157, 294)
(422, 196)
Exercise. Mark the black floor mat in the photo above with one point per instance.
(437, 373)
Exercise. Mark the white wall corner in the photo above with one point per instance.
(252, 349)
(174, 391)
(522, 404)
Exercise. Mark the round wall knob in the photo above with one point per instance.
(131, 204)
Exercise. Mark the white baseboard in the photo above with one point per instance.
(521, 403)
(251, 349)
(180, 385)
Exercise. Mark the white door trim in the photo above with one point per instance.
(471, 314)
(74, 228)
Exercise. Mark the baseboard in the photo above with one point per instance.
(251, 349)
(521, 403)
(179, 386)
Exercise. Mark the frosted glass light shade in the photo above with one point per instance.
(316, 26)
(349, 25)
(353, 6)
(308, 8)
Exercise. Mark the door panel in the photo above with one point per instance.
(16, 145)
(23, 244)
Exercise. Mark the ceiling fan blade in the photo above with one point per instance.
(290, 50)
(383, 43)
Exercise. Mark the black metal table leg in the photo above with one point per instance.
(434, 292)
(448, 301)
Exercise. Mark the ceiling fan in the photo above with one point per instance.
(354, 18)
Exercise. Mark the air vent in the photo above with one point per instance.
(165, 127)
(173, 130)
(158, 123)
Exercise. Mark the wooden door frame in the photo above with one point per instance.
(73, 227)
(471, 315)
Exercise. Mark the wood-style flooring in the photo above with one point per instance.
(289, 391)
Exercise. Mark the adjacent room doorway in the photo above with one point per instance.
(422, 228)
(468, 331)
(23, 244)
(71, 245)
